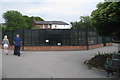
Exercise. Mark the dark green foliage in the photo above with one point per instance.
(100, 59)
(85, 21)
(14, 20)
(106, 19)
(37, 18)
(29, 20)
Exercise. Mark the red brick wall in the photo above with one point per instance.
(0, 46)
(59, 48)
(56, 48)
(95, 46)
(108, 44)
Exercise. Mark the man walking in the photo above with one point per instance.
(17, 42)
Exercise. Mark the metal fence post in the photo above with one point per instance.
(23, 40)
(31, 37)
(104, 41)
(78, 37)
(96, 39)
(12, 37)
(87, 39)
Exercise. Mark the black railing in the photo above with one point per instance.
(57, 37)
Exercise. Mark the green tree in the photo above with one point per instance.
(85, 22)
(14, 20)
(29, 20)
(106, 19)
(37, 18)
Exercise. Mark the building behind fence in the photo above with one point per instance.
(57, 37)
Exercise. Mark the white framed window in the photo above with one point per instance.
(48, 26)
(43, 26)
(55, 26)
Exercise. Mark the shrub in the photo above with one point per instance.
(100, 59)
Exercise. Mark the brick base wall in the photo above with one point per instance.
(108, 44)
(54, 48)
(95, 46)
(59, 48)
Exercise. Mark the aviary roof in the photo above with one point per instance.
(51, 22)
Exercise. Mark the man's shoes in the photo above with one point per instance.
(15, 54)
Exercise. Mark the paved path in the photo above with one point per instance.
(52, 64)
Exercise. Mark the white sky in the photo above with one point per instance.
(60, 10)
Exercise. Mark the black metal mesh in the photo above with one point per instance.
(57, 37)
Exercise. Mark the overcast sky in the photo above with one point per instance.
(60, 10)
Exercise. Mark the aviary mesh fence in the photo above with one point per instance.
(57, 37)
